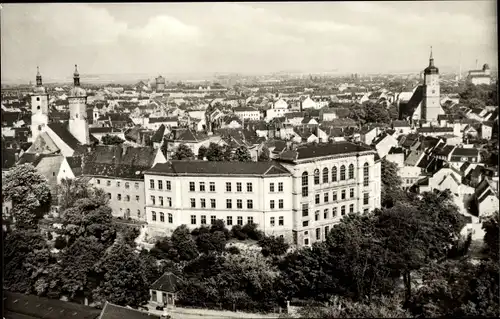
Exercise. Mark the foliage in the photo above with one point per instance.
(242, 154)
(202, 152)
(60, 242)
(215, 153)
(233, 250)
(164, 249)
(391, 184)
(70, 190)
(184, 243)
(183, 152)
(479, 95)
(491, 228)
(264, 155)
(237, 232)
(250, 229)
(273, 246)
(376, 113)
(30, 195)
(111, 140)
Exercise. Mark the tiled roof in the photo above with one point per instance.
(111, 311)
(445, 151)
(460, 151)
(163, 119)
(292, 115)
(187, 135)
(75, 162)
(119, 161)
(219, 168)
(8, 158)
(49, 166)
(168, 282)
(434, 129)
(244, 109)
(30, 306)
(407, 109)
(338, 123)
(93, 130)
(400, 124)
(323, 149)
(158, 135)
(61, 130)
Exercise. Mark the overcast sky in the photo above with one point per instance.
(244, 37)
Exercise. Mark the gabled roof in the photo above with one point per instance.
(407, 109)
(168, 282)
(434, 129)
(158, 135)
(49, 167)
(187, 135)
(163, 119)
(177, 168)
(398, 123)
(323, 149)
(93, 130)
(468, 152)
(111, 311)
(61, 130)
(75, 162)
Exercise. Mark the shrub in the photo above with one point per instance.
(233, 250)
(60, 242)
(273, 246)
(237, 232)
(250, 229)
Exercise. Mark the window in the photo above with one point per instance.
(117, 184)
(280, 204)
(325, 175)
(109, 195)
(249, 187)
(318, 233)
(351, 192)
(169, 185)
(170, 218)
(108, 183)
(365, 211)
(334, 212)
(139, 213)
(212, 203)
(162, 217)
(238, 187)
(160, 185)
(229, 204)
(325, 197)
(327, 229)
(250, 220)
(119, 196)
(342, 194)
(281, 221)
(169, 199)
(229, 220)
(193, 203)
(98, 181)
(271, 187)
(342, 210)
(305, 184)
(351, 171)
(272, 221)
(153, 295)
(249, 203)
(152, 184)
(127, 185)
(366, 198)
(38, 99)
(228, 187)
(136, 185)
(325, 213)
(305, 210)
(191, 186)
(271, 204)
(342, 173)
(203, 203)
(161, 200)
(334, 174)
(153, 216)
(202, 186)
(305, 223)
(316, 215)
(212, 186)
(153, 200)
(316, 176)
(137, 198)
(351, 208)
(240, 220)
(127, 198)
(239, 203)
(306, 241)
(316, 199)
(365, 174)
(280, 186)
(193, 219)
(334, 196)
(203, 220)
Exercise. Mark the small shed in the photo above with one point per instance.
(164, 290)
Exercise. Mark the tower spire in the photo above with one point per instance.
(38, 77)
(431, 59)
(76, 77)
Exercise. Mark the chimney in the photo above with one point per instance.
(16, 157)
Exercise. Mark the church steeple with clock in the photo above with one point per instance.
(77, 99)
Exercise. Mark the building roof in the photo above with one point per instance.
(8, 158)
(75, 162)
(245, 109)
(61, 130)
(168, 282)
(468, 152)
(400, 124)
(49, 167)
(323, 149)
(33, 307)
(434, 129)
(407, 109)
(111, 311)
(158, 135)
(187, 135)
(163, 119)
(218, 168)
(93, 130)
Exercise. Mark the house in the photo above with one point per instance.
(486, 198)
(486, 131)
(478, 77)
(401, 127)
(471, 131)
(247, 113)
(461, 155)
(154, 123)
(436, 131)
(99, 132)
(294, 118)
(307, 103)
(384, 143)
(164, 290)
(396, 155)
(368, 134)
(231, 121)
(409, 175)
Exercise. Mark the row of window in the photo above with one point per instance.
(305, 211)
(118, 184)
(126, 198)
(160, 201)
(213, 218)
(168, 185)
(162, 217)
(305, 176)
(239, 187)
(326, 196)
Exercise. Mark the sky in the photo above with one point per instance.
(165, 38)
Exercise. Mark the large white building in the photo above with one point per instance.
(299, 197)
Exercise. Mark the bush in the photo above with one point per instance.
(237, 232)
(233, 250)
(60, 242)
(250, 229)
(49, 236)
(275, 246)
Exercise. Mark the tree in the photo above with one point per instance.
(250, 229)
(275, 246)
(391, 184)
(237, 232)
(70, 190)
(376, 112)
(30, 195)
(123, 279)
(183, 152)
(227, 153)
(202, 152)
(214, 153)
(111, 140)
(242, 154)
(491, 228)
(184, 243)
(264, 155)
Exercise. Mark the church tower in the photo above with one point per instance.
(431, 105)
(39, 108)
(78, 125)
